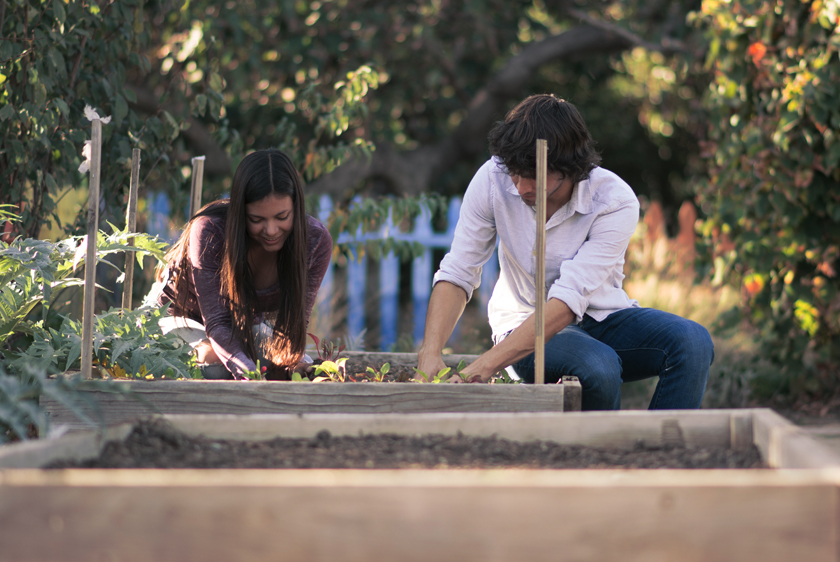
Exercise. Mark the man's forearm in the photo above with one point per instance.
(445, 308)
(520, 343)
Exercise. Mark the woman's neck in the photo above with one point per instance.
(263, 266)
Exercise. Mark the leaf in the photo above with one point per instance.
(58, 11)
(7, 112)
(120, 109)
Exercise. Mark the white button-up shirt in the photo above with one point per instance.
(585, 244)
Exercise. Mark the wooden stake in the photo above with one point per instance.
(131, 223)
(539, 279)
(90, 256)
(196, 187)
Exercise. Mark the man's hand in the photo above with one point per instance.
(429, 363)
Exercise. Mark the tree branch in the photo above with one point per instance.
(199, 138)
(411, 172)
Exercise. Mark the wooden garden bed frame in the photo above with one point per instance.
(237, 397)
(791, 513)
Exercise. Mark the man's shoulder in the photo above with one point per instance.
(608, 188)
(492, 176)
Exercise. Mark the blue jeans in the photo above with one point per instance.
(630, 345)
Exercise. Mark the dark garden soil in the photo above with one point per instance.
(155, 444)
(356, 370)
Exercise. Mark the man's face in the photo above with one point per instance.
(555, 184)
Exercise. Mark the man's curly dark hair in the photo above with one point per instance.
(571, 150)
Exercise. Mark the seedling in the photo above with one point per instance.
(441, 375)
(334, 371)
(256, 375)
(377, 375)
(327, 350)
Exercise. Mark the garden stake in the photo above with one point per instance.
(197, 181)
(539, 280)
(131, 224)
(90, 256)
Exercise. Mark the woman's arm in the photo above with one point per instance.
(319, 255)
(206, 252)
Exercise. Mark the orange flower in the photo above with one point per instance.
(757, 52)
(753, 284)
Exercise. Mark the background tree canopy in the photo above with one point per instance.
(423, 81)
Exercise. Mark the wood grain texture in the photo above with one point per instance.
(463, 516)
(197, 184)
(539, 256)
(90, 254)
(131, 225)
(234, 397)
(783, 444)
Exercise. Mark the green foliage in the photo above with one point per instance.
(772, 199)
(34, 272)
(126, 343)
(258, 374)
(20, 411)
(334, 371)
(327, 350)
(378, 375)
(367, 216)
(441, 375)
(56, 57)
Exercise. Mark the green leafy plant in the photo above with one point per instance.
(258, 374)
(441, 375)
(333, 371)
(378, 375)
(33, 272)
(773, 150)
(22, 416)
(327, 350)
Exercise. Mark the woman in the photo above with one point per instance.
(247, 263)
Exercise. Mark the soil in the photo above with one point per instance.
(356, 369)
(155, 444)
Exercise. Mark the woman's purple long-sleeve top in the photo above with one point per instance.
(198, 294)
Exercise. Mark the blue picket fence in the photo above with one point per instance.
(357, 270)
(389, 275)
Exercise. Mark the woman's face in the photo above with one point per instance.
(269, 221)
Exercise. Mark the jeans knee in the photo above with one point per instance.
(601, 374)
(698, 343)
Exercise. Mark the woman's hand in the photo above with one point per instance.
(205, 354)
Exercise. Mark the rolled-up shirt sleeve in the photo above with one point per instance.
(474, 238)
(596, 260)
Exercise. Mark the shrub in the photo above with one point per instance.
(772, 196)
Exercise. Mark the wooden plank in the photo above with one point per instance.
(76, 446)
(90, 254)
(784, 445)
(604, 429)
(539, 256)
(572, 394)
(131, 225)
(196, 185)
(234, 397)
(740, 429)
(416, 515)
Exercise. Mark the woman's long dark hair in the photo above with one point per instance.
(260, 174)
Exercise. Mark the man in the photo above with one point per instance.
(593, 330)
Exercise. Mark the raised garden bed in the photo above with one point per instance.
(237, 397)
(789, 512)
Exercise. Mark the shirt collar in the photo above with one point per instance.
(581, 201)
